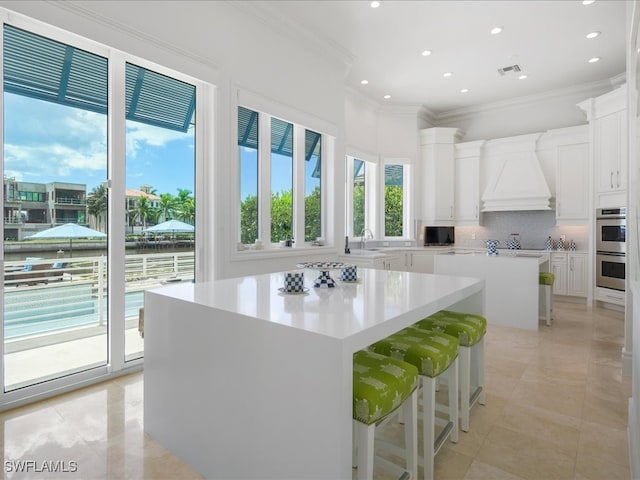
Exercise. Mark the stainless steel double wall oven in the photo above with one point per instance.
(611, 233)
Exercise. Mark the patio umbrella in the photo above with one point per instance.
(70, 231)
(171, 226)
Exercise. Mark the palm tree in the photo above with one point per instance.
(166, 206)
(185, 206)
(97, 207)
(143, 210)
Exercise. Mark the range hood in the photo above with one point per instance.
(517, 182)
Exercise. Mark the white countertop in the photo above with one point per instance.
(378, 297)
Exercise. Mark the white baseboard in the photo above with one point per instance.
(634, 441)
(627, 362)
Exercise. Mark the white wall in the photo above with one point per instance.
(232, 46)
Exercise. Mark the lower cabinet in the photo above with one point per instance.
(389, 262)
(570, 270)
(419, 262)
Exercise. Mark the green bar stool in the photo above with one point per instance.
(380, 386)
(545, 280)
(469, 329)
(433, 354)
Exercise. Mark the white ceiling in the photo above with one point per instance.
(384, 45)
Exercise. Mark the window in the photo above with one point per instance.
(312, 186)
(67, 103)
(280, 180)
(393, 200)
(359, 192)
(361, 196)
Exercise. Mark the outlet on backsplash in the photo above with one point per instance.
(473, 235)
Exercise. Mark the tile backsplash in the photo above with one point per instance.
(533, 226)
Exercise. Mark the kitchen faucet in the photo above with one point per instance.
(366, 235)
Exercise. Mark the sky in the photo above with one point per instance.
(46, 142)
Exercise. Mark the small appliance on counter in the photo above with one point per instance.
(439, 236)
(514, 242)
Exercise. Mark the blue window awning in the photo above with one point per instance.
(45, 69)
(281, 133)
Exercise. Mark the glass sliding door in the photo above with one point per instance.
(55, 318)
(160, 185)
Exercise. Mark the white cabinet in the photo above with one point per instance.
(572, 181)
(467, 183)
(559, 269)
(610, 152)
(379, 261)
(577, 274)
(570, 269)
(419, 262)
(607, 117)
(438, 175)
(389, 262)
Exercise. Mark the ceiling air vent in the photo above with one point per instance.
(509, 69)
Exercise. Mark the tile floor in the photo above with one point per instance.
(556, 409)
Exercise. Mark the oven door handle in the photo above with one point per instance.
(611, 254)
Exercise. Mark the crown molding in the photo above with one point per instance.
(77, 8)
(283, 25)
(585, 90)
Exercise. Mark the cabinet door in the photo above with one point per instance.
(608, 152)
(559, 269)
(577, 274)
(467, 191)
(393, 263)
(444, 168)
(421, 262)
(572, 181)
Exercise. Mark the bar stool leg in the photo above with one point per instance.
(410, 414)
(364, 439)
(428, 424)
(464, 356)
(452, 374)
(479, 368)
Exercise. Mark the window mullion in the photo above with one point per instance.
(298, 184)
(264, 175)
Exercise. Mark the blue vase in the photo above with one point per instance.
(492, 247)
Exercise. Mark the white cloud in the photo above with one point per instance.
(140, 134)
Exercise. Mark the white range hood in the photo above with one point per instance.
(517, 182)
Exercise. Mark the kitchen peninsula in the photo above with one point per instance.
(512, 297)
(242, 381)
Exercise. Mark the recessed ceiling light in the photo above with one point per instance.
(464, 90)
(594, 59)
(447, 74)
(496, 30)
(374, 4)
(592, 35)
(364, 82)
(387, 97)
(426, 53)
(587, 2)
(522, 77)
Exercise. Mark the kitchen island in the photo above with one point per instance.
(512, 290)
(242, 381)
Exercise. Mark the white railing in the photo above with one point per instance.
(61, 294)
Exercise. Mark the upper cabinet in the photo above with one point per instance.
(608, 120)
(566, 151)
(438, 175)
(467, 183)
(572, 182)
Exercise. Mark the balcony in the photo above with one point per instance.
(55, 318)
